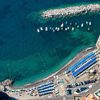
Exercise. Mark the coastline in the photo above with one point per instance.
(65, 67)
(26, 91)
(26, 78)
(58, 69)
(71, 11)
(51, 75)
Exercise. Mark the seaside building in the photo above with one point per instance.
(98, 43)
(98, 48)
(1, 88)
(67, 82)
(89, 97)
(88, 61)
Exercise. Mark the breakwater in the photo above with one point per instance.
(71, 11)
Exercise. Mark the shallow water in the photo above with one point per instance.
(25, 55)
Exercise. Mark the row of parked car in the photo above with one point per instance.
(77, 91)
(81, 83)
(69, 92)
(83, 89)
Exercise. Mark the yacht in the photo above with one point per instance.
(38, 30)
(62, 25)
(41, 28)
(66, 29)
(53, 30)
(87, 22)
(58, 29)
(78, 26)
(90, 23)
(46, 28)
(50, 28)
(88, 29)
(73, 28)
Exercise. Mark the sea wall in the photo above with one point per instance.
(71, 11)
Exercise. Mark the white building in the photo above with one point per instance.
(98, 43)
(98, 49)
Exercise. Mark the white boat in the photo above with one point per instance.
(88, 29)
(41, 28)
(38, 30)
(66, 29)
(62, 25)
(87, 22)
(73, 28)
(58, 29)
(78, 26)
(82, 25)
(50, 28)
(53, 30)
(90, 23)
(46, 28)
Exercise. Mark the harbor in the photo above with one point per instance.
(50, 50)
(77, 74)
(66, 27)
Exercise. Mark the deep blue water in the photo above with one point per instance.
(18, 41)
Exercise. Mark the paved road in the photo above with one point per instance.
(92, 90)
(56, 98)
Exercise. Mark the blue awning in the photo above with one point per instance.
(80, 62)
(84, 67)
(46, 86)
(45, 90)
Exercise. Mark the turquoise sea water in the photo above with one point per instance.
(27, 56)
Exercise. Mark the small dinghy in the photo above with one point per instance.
(38, 30)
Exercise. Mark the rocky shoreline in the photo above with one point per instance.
(71, 11)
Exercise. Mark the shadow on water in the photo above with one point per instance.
(4, 96)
